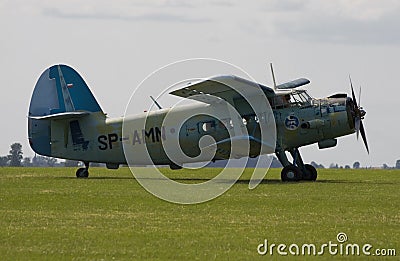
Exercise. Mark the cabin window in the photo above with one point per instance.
(282, 101)
(207, 126)
(251, 119)
(227, 123)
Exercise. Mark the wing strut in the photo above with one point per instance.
(273, 75)
(156, 103)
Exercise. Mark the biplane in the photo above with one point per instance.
(65, 121)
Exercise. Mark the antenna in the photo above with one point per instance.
(156, 103)
(273, 75)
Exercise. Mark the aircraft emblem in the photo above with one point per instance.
(292, 122)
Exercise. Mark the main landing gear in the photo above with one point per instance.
(298, 170)
(83, 172)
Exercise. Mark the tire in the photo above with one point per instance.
(290, 173)
(310, 173)
(82, 173)
(174, 166)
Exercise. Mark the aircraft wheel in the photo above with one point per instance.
(290, 173)
(82, 173)
(310, 173)
(174, 166)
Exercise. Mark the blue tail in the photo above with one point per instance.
(60, 93)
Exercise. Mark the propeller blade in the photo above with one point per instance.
(359, 113)
(352, 93)
(359, 97)
(364, 137)
(357, 125)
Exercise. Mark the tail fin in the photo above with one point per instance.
(59, 93)
(61, 89)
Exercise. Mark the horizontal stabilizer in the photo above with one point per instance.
(62, 115)
(293, 84)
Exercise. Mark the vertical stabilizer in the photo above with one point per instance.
(60, 94)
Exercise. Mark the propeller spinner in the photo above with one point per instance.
(358, 116)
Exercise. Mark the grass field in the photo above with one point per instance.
(46, 213)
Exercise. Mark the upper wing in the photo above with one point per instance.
(293, 84)
(227, 87)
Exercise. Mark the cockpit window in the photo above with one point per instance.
(295, 98)
(301, 98)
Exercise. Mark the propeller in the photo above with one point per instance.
(359, 114)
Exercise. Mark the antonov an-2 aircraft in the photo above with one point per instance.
(65, 121)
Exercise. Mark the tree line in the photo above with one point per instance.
(15, 158)
(357, 165)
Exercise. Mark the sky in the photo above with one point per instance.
(115, 45)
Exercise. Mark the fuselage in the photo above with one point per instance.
(97, 138)
(65, 121)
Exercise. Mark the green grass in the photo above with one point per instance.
(46, 213)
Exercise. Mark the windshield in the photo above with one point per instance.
(300, 98)
(294, 98)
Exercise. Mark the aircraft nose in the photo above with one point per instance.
(362, 112)
(358, 114)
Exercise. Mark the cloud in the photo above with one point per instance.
(345, 30)
(177, 11)
(222, 3)
(157, 17)
(341, 21)
(284, 6)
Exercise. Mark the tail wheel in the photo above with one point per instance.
(310, 172)
(290, 173)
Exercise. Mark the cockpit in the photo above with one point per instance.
(294, 98)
